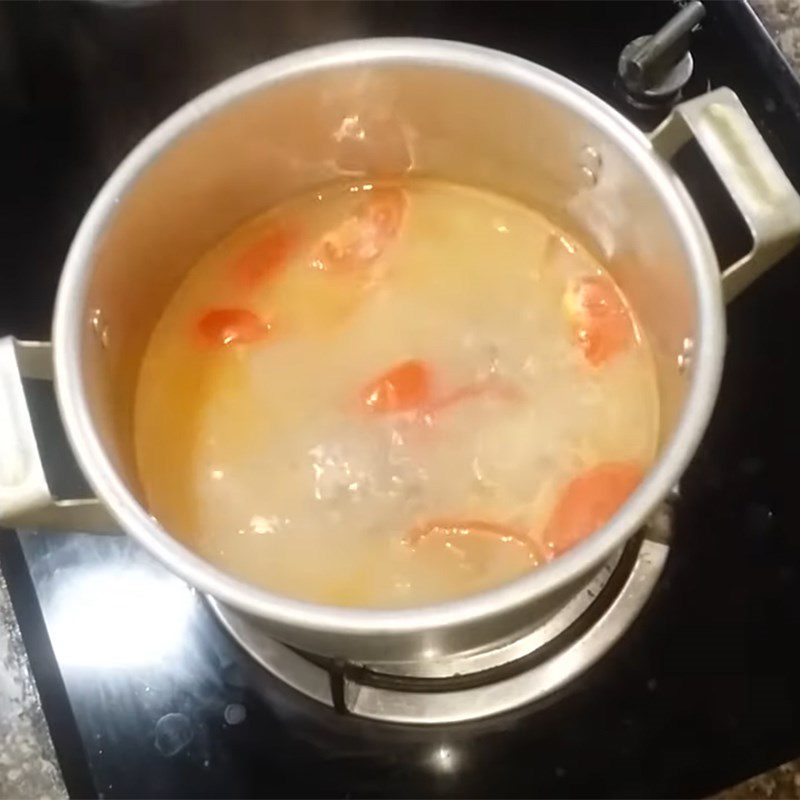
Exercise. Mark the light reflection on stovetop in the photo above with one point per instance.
(135, 646)
(119, 616)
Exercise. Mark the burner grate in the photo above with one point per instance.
(474, 685)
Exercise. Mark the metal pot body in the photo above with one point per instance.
(367, 108)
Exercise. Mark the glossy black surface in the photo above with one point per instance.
(147, 697)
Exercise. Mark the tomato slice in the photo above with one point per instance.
(601, 322)
(365, 235)
(408, 386)
(224, 326)
(266, 256)
(588, 502)
(404, 387)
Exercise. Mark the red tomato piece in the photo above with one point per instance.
(588, 502)
(408, 386)
(365, 235)
(223, 326)
(601, 322)
(405, 387)
(266, 256)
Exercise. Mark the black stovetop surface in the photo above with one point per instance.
(147, 697)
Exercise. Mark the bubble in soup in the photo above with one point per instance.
(393, 395)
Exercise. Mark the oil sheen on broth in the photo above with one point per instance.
(392, 395)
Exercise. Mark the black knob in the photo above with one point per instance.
(654, 69)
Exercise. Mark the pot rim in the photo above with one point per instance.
(70, 320)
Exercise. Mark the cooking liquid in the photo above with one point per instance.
(389, 414)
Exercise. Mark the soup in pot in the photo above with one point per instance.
(392, 395)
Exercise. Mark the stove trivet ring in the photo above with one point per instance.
(458, 689)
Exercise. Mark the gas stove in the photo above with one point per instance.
(671, 673)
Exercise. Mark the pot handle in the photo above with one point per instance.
(748, 170)
(25, 497)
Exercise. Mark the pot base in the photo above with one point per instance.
(476, 685)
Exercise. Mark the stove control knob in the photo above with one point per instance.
(654, 69)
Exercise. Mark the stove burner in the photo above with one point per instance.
(474, 685)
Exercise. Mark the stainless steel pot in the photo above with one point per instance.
(460, 112)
